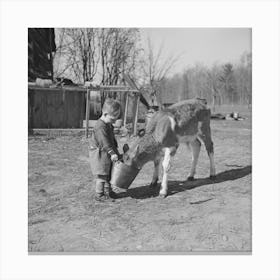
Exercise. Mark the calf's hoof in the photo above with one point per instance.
(212, 177)
(190, 178)
(162, 195)
(153, 185)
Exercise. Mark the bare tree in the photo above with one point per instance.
(118, 52)
(243, 77)
(228, 83)
(101, 53)
(214, 86)
(185, 86)
(77, 55)
(219, 84)
(155, 69)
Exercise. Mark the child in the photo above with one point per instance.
(103, 149)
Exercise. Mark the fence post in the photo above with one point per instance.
(137, 97)
(126, 108)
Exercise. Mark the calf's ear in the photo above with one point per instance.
(136, 151)
(125, 148)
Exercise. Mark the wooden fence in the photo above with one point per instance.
(56, 107)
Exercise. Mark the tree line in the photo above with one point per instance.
(220, 84)
(104, 55)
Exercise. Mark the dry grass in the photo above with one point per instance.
(199, 216)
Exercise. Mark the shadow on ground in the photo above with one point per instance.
(180, 186)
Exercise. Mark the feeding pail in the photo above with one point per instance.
(123, 175)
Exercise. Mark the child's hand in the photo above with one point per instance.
(114, 158)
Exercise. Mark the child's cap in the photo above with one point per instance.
(112, 107)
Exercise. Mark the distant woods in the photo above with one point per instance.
(103, 55)
(220, 84)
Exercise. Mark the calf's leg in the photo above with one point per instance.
(205, 135)
(156, 173)
(195, 147)
(166, 167)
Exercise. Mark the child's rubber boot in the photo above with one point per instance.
(99, 197)
(99, 190)
(108, 194)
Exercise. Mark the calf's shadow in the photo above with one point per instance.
(175, 186)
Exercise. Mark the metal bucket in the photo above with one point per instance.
(123, 175)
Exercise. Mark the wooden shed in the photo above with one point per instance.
(56, 107)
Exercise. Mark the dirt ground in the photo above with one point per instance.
(202, 216)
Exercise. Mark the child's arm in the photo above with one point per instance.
(114, 138)
(106, 141)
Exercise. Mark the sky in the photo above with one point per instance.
(204, 45)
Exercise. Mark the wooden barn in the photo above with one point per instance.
(50, 107)
(56, 106)
(41, 46)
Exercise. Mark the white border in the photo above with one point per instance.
(262, 16)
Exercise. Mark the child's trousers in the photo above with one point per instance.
(102, 185)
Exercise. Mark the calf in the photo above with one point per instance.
(185, 122)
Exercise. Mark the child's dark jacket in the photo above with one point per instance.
(102, 145)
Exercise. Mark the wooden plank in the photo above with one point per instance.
(72, 109)
(79, 103)
(87, 112)
(65, 98)
(135, 119)
(55, 107)
(82, 111)
(110, 87)
(113, 89)
(126, 109)
(84, 89)
(130, 82)
(132, 109)
(56, 131)
(40, 110)
(91, 123)
(32, 85)
(121, 90)
(30, 109)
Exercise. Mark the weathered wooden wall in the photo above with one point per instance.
(56, 108)
(41, 45)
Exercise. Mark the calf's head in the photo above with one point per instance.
(130, 155)
(144, 149)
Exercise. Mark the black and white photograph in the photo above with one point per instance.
(139, 140)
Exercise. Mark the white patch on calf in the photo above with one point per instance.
(173, 123)
(166, 167)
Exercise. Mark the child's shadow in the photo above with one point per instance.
(180, 186)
